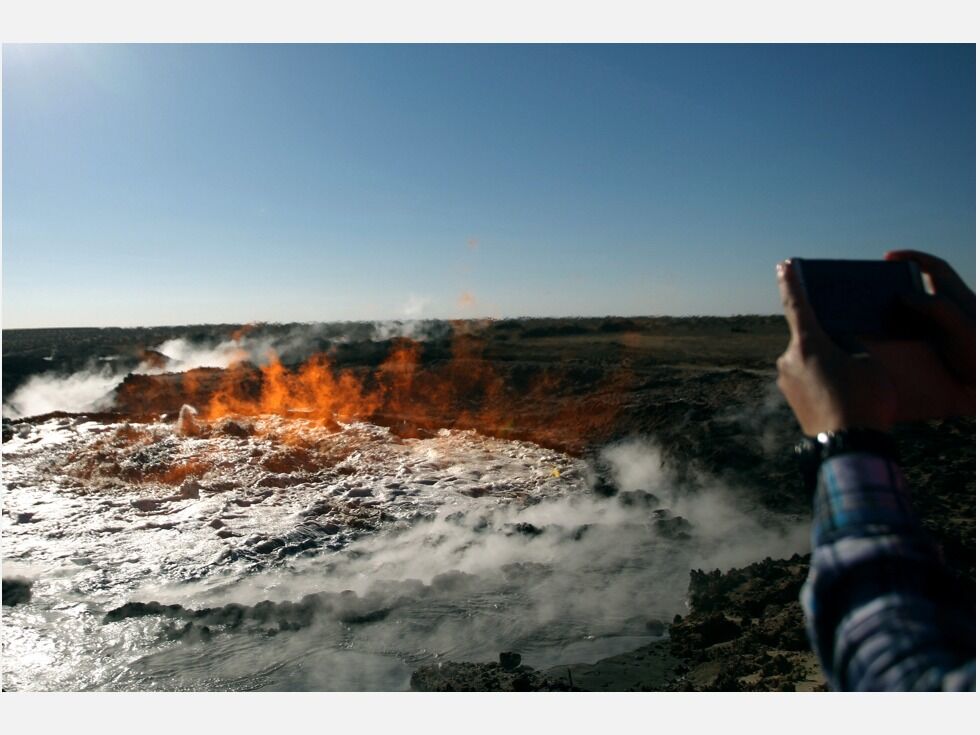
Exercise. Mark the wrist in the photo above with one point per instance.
(811, 452)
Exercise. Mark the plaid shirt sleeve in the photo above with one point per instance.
(880, 609)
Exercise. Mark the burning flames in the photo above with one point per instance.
(466, 391)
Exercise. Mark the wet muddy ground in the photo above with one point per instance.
(411, 547)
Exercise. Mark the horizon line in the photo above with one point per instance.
(396, 320)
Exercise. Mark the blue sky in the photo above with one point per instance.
(174, 184)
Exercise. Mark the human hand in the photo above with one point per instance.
(935, 377)
(948, 315)
(910, 380)
(827, 388)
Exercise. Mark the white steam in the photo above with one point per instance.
(762, 422)
(415, 306)
(475, 546)
(635, 465)
(731, 530)
(88, 390)
(186, 355)
(588, 577)
(91, 389)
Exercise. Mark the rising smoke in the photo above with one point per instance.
(567, 579)
(86, 390)
(91, 389)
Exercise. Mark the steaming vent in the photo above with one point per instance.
(341, 556)
(226, 521)
(187, 421)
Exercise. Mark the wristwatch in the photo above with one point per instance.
(812, 451)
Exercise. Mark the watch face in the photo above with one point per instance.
(833, 443)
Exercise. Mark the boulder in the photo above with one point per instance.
(16, 590)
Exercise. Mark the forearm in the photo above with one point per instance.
(880, 610)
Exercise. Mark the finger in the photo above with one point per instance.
(925, 386)
(938, 309)
(799, 314)
(927, 262)
(944, 325)
(945, 280)
(784, 363)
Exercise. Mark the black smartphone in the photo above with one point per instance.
(855, 299)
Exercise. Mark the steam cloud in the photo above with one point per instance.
(568, 579)
(90, 389)
(415, 306)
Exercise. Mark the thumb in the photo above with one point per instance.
(802, 321)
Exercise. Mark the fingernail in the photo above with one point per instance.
(780, 267)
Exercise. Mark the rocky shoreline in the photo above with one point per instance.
(744, 632)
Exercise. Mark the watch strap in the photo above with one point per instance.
(812, 451)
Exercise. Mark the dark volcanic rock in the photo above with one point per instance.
(703, 389)
(509, 660)
(239, 429)
(640, 498)
(745, 631)
(707, 631)
(523, 529)
(16, 590)
(676, 528)
(490, 677)
(604, 488)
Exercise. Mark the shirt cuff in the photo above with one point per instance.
(860, 494)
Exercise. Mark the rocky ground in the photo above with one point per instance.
(744, 632)
(702, 388)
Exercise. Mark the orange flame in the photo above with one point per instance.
(466, 391)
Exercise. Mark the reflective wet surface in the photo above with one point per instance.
(287, 555)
